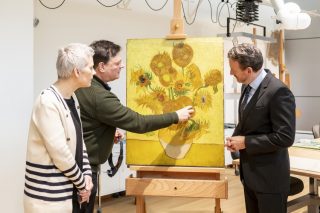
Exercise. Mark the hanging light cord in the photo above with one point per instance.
(211, 12)
(52, 8)
(219, 13)
(158, 8)
(195, 15)
(112, 5)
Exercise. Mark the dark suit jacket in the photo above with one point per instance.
(268, 125)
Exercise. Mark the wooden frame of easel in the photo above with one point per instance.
(284, 76)
(176, 25)
(172, 181)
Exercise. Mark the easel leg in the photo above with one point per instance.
(140, 205)
(217, 207)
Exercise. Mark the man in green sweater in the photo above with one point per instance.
(102, 112)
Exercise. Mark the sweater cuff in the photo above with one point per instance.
(175, 117)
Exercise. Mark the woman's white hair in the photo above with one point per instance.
(72, 56)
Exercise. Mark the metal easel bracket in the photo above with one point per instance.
(248, 35)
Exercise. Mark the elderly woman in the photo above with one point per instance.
(58, 174)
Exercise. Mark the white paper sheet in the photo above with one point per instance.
(305, 164)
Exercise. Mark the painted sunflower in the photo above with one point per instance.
(181, 85)
(213, 78)
(182, 54)
(148, 102)
(160, 63)
(140, 78)
(203, 100)
(167, 77)
(159, 95)
(194, 75)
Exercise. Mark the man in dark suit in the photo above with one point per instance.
(265, 130)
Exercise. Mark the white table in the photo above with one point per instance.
(306, 162)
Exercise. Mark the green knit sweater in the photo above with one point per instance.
(102, 113)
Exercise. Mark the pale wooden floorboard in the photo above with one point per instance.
(234, 204)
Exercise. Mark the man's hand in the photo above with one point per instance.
(118, 136)
(229, 145)
(185, 113)
(235, 143)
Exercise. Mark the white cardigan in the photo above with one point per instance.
(51, 169)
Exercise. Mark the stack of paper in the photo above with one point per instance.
(308, 143)
(305, 164)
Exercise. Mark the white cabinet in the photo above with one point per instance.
(110, 185)
(227, 156)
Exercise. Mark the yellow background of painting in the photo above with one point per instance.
(145, 149)
(151, 153)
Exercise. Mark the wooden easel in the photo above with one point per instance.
(254, 33)
(176, 25)
(196, 182)
(284, 76)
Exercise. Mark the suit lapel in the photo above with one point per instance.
(264, 84)
(257, 95)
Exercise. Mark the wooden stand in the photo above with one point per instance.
(176, 182)
(176, 26)
(284, 76)
(254, 33)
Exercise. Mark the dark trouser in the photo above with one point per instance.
(87, 207)
(257, 202)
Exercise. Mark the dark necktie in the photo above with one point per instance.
(245, 99)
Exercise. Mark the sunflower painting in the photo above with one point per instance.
(164, 76)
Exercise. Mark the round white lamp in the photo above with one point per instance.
(291, 17)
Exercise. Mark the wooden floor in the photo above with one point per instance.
(234, 204)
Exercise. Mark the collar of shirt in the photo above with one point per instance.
(105, 85)
(256, 82)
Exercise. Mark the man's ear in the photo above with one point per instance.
(250, 70)
(100, 67)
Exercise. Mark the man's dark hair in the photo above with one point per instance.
(103, 51)
(247, 55)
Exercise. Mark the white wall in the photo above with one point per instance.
(302, 62)
(16, 92)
